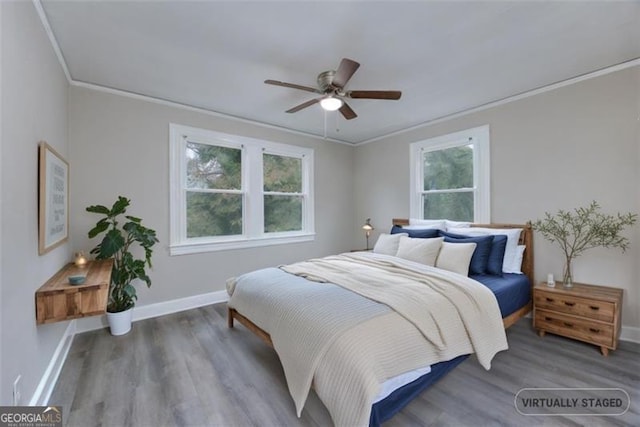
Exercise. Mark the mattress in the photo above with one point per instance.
(513, 291)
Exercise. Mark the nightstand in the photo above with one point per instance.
(587, 313)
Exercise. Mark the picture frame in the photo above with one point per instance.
(53, 199)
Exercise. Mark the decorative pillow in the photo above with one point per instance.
(387, 244)
(496, 256)
(517, 262)
(416, 233)
(480, 257)
(424, 251)
(428, 223)
(456, 257)
(513, 235)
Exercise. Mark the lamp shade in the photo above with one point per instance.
(367, 225)
(330, 103)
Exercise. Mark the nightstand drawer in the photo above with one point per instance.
(569, 326)
(593, 309)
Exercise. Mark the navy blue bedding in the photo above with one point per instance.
(513, 291)
(390, 405)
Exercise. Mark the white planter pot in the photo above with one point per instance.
(120, 323)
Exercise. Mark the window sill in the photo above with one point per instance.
(200, 247)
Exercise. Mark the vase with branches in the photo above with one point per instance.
(582, 229)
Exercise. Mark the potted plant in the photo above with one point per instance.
(582, 229)
(120, 238)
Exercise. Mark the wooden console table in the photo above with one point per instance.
(58, 300)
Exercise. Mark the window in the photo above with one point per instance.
(450, 177)
(232, 192)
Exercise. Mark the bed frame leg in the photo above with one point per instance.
(230, 317)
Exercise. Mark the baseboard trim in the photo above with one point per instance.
(158, 309)
(50, 377)
(630, 333)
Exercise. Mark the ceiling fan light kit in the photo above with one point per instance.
(331, 84)
(331, 104)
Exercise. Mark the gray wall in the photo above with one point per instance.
(34, 108)
(120, 146)
(556, 150)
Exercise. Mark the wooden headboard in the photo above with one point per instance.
(526, 238)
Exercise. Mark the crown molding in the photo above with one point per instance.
(547, 88)
(200, 110)
(54, 43)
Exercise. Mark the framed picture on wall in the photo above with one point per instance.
(53, 199)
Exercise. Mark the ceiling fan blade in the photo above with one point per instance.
(374, 94)
(292, 85)
(303, 105)
(347, 112)
(344, 72)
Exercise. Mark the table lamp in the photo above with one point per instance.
(367, 227)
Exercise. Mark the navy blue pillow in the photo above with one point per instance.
(496, 256)
(423, 233)
(480, 257)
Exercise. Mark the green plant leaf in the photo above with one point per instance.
(101, 226)
(113, 241)
(133, 218)
(98, 209)
(130, 291)
(119, 207)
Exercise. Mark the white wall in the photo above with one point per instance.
(559, 149)
(34, 108)
(120, 146)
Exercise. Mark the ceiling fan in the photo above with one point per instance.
(331, 86)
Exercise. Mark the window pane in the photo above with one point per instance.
(282, 213)
(453, 206)
(213, 214)
(213, 167)
(448, 169)
(283, 174)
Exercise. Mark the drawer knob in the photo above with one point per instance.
(568, 325)
(548, 319)
(594, 307)
(570, 304)
(595, 330)
(549, 299)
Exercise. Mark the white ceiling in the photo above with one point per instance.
(445, 57)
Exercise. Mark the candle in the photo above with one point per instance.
(79, 259)
(550, 281)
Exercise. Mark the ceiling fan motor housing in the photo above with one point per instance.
(325, 79)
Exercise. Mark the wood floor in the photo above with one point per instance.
(188, 369)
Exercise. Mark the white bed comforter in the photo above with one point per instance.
(411, 316)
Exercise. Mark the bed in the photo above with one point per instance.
(511, 293)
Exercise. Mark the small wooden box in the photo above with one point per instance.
(58, 300)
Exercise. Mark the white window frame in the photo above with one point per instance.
(480, 138)
(253, 234)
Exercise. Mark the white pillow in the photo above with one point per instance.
(421, 227)
(517, 262)
(456, 257)
(428, 223)
(454, 224)
(513, 235)
(424, 251)
(387, 244)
